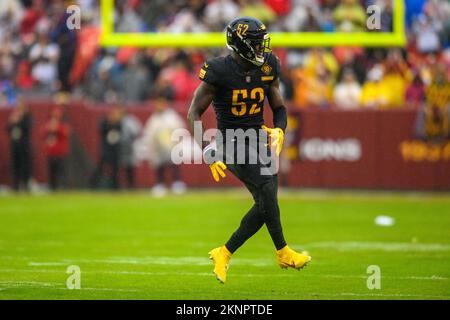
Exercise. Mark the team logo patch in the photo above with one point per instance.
(266, 68)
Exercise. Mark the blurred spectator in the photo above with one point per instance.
(318, 58)
(427, 35)
(312, 83)
(128, 19)
(186, 21)
(304, 16)
(327, 22)
(415, 93)
(432, 124)
(413, 9)
(110, 139)
(66, 40)
(301, 83)
(280, 7)
(155, 13)
(44, 57)
(219, 13)
(439, 12)
(7, 93)
(257, 9)
(24, 80)
(157, 137)
(11, 13)
(181, 80)
(431, 25)
(163, 88)
(386, 15)
(135, 81)
(322, 57)
(320, 91)
(438, 92)
(19, 131)
(347, 92)
(349, 16)
(7, 61)
(56, 134)
(100, 83)
(351, 58)
(313, 89)
(433, 121)
(375, 93)
(151, 63)
(397, 77)
(131, 129)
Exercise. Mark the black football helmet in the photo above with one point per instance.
(248, 37)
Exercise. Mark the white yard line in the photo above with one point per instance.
(59, 286)
(29, 284)
(391, 295)
(381, 246)
(152, 260)
(104, 289)
(247, 275)
(313, 294)
(44, 264)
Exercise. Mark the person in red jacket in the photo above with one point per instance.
(56, 135)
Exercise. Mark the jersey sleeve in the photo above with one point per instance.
(271, 69)
(276, 67)
(209, 73)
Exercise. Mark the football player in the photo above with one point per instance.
(238, 85)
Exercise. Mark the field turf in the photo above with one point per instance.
(133, 246)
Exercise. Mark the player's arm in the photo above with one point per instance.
(277, 105)
(279, 115)
(203, 97)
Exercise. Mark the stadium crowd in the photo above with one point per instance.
(40, 56)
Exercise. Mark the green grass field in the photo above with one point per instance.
(133, 246)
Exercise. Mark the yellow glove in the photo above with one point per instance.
(217, 169)
(276, 137)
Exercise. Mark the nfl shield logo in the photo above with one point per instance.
(248, 79)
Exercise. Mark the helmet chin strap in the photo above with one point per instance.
(255, 62)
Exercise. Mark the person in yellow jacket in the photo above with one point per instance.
(375, 94)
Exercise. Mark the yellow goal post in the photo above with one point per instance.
(109, 38)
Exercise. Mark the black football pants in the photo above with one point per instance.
(264, 189)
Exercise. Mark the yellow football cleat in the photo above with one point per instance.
(288, 258)
(220, 257)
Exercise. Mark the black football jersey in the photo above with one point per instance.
(240, 96)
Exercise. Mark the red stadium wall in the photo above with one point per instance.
(352, 149)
